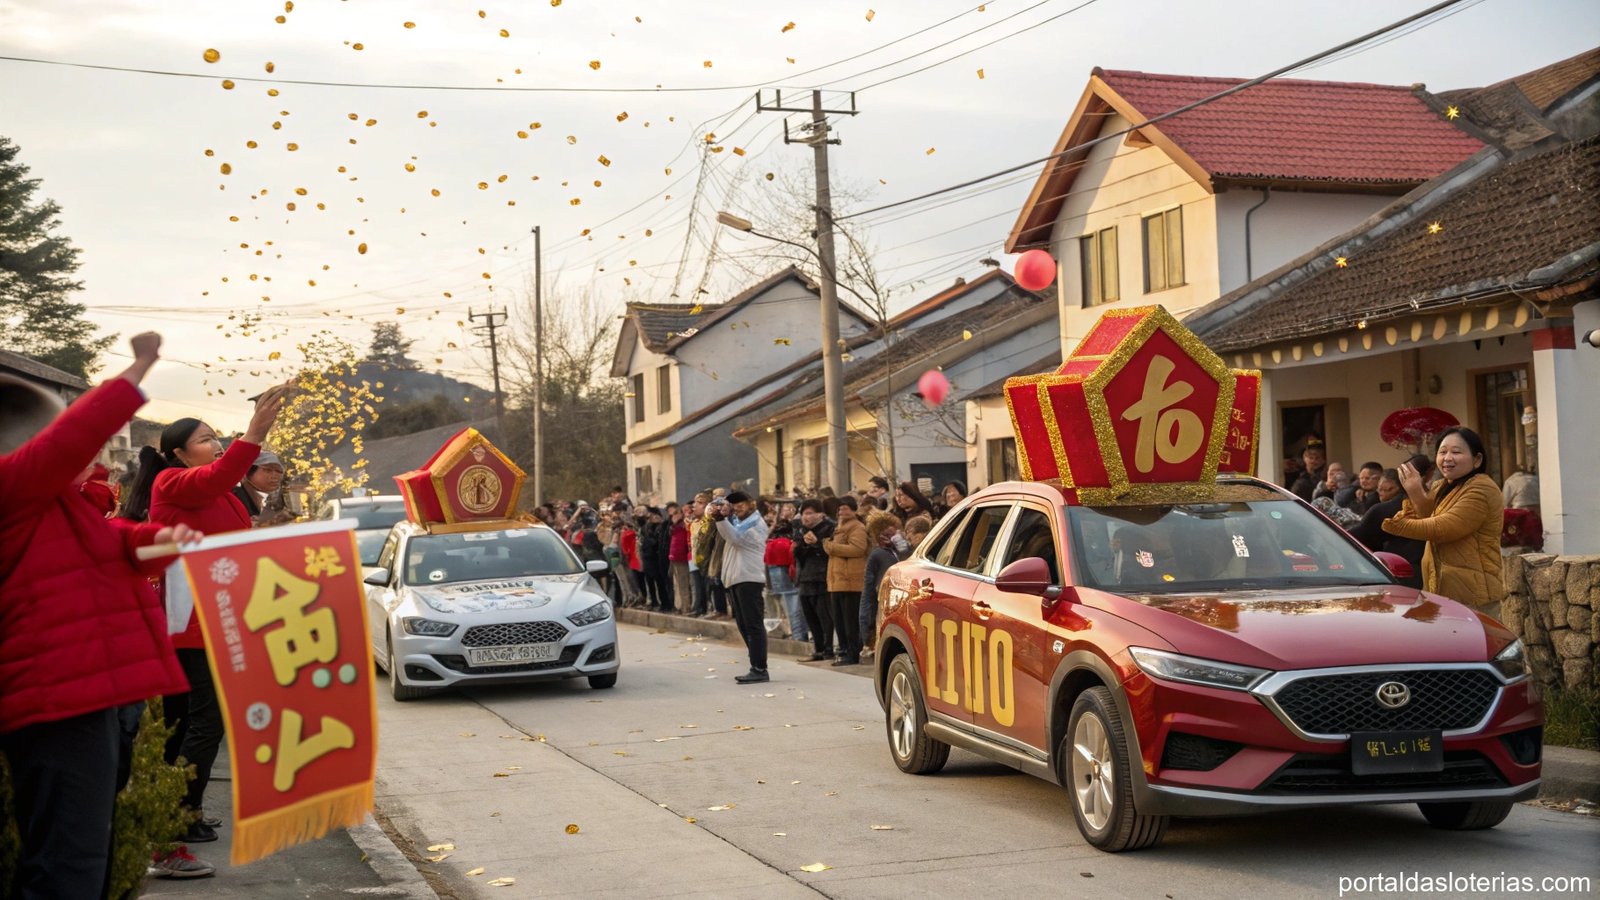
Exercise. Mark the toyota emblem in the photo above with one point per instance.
(1393, 695)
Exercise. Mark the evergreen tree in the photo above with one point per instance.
(36, 266)
(390, 347)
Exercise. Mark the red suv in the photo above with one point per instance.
(1197, 651)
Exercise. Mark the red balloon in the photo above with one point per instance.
(1035, 270)
(934, 387)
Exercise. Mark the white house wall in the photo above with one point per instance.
(1282, 229)
(780, 327)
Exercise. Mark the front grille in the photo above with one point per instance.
(514, 633)
(1309, 773)
(1195, 753)
(1446, 699)
(569, 657)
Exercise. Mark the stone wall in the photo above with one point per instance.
(1553, 604)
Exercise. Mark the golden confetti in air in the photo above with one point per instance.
(210, 152)
(1435, 227)
(280, 19)
(435, 192)
(594, 64)
(270, 67)
(1452, 112)
(225, 169)
(696, 310)
(371, 122)
(770, 176)
(555, 2)
(871, 14)
(575, 201)
(648, 232)
(422, 114)
(274, 356)
(572, 139)
(738, 151)
(227, 85)
(929, 151)
(622, 117)
(482, 14)
(980, 74)
(1341, 262)
(211, 56)
(504, 33)
(361, 248)
(966, 335)
(707, 64)
(572, 829)
(668, 170)
(602, 160)
(291, 146)
(411, 167)
(788, 28)
(781, 341)
(410, 24)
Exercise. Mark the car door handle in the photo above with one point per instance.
(982, 610)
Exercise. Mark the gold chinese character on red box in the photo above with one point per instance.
(1140, 402)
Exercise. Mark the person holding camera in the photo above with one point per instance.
(743, 572)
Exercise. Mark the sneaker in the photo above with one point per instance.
(199, 833)
(754, 676)
(179, 863)
(211, 821)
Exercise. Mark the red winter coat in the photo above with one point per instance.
(629, 545)
(202, 498)
(80, 628)
(678, 543)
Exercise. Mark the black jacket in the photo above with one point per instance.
(1369, 531)
(810, 560)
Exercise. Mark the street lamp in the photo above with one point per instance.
(832, 361)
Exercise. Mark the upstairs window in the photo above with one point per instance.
(1163, 250)
(636, 387)
(664, 389)
(1098, 255)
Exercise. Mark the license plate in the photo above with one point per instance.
(512, 655)
(1388, 752)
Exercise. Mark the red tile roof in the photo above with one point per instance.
(1326, 131)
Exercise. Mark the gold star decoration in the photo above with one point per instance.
(1452, 112)
(1435, 227)
(1341, 262)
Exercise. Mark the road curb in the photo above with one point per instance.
(400, 877)
(1570, 773)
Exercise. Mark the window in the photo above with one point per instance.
(664, 389)
(1003, 460)
(1163, 250)
(779, 477)
(1503, 399)
(1032, 536)
(971, 550)
(636, 389)
(643, 482)
(1098, 254)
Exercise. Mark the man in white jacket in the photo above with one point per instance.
(744, 573)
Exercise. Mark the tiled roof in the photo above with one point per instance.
(916, 344)
(391, 456)
(1520, 112)
(1544, 87)
(1321, 135)
(661, 323)
(996, 387)
(31, 367)
(1532, 222)
(1287, 129)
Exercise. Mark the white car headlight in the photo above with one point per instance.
(1172, 667)
(427, 627)
(597, 613)
(1512, 662)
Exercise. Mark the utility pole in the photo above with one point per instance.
(538, 368)
(816, 134)
(494, 321)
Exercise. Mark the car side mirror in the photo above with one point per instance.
(1398, 565)
(597, 566)
(378, 577)
(1029, 575)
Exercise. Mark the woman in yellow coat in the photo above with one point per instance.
(1460, 518)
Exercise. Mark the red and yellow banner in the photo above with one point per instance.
(285, 623)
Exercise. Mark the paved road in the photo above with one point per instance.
(801, 766)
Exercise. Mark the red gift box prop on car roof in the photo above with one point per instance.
(1141, 403)
(465, 481)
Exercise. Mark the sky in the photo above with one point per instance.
(418, 204)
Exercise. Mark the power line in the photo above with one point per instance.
(1245, 85)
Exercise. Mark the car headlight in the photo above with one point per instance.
(597, 613)
(1172, 667)
(427, 627)
(1512, 662)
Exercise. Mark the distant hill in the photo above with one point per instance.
(409, 385)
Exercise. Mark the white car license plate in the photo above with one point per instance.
(512, 655)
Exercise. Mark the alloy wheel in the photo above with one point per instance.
(1093, 779)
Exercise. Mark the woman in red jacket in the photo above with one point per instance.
(81, 633)
(190, 482)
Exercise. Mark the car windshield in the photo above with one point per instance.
(1236, 543)
(382, 514)
(370, 543)
(482, 555)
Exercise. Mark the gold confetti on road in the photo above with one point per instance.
(572, 829)
(211, 56)
(502, 882)
(435, 848)
(816, 867)
(471, 873)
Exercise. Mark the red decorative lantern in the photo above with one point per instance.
(934, 387)
(1414, 428)
(1035, 270)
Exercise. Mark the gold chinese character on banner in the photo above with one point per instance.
(301, 638)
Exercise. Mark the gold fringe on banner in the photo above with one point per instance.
(266, 834)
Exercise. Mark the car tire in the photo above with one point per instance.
(603, 682)
(906, 721)
(398, 690)
(1093, 759)
(1466, 815)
